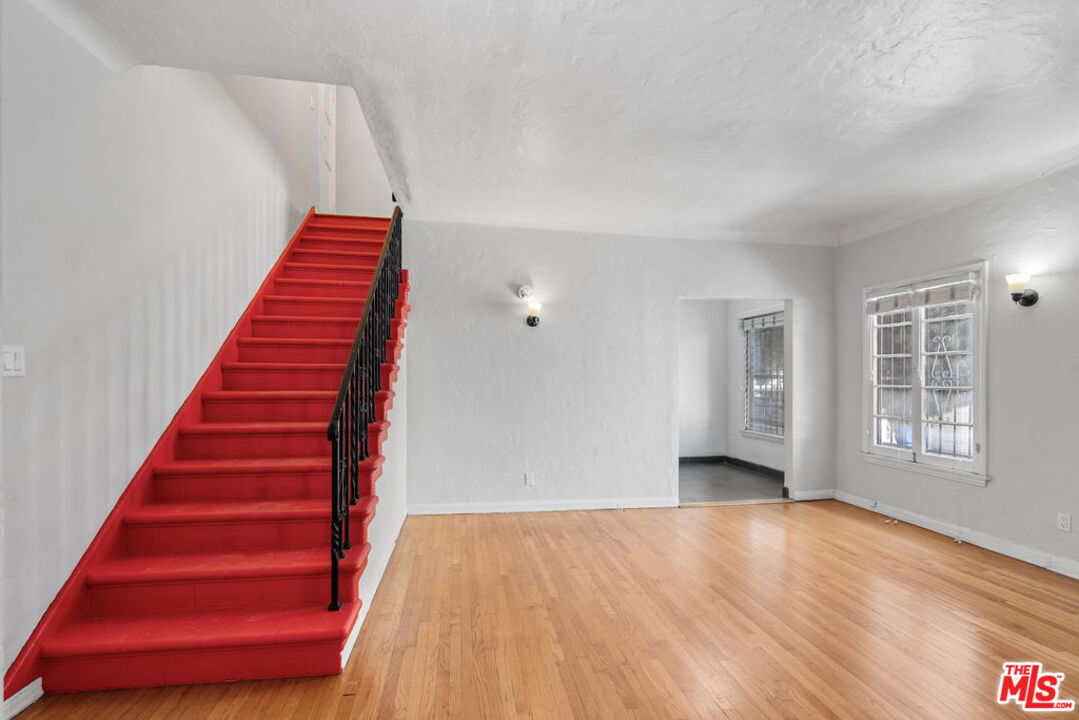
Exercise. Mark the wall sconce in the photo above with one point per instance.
(1017, 286)
(525, 292)
(533, 314)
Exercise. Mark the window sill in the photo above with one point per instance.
(752, 435)
(960, 476)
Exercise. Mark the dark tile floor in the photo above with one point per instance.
(713, 482)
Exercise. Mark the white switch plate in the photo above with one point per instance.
(14, 361)
(1064, 522)
(530, 479)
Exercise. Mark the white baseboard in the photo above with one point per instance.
(518, 506)
(825, 494)
(1041, 558)
(22, 699)
(377, 571)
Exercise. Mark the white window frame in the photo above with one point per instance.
(974, 471)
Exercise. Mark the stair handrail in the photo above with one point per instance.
(354, 408)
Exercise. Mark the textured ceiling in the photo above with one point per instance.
(817, 119)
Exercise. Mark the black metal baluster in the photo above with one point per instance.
(335, 530)
(355, 408)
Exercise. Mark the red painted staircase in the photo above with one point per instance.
(215, 563)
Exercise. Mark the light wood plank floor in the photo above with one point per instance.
(798, 610)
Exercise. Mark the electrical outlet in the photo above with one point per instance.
(530, 479)
(14, 364)
(1064, 522)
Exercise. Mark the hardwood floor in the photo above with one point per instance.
(799, 610)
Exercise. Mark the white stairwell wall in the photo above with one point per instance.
(392, 506)
(141, 210)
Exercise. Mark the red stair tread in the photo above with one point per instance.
(341, 216)
(272, 342)
(326, 266)
(269, 395)
(305, 318)
(239, 510)
(215, 428)
(356, 254)
(316, 299)
(335, 236)
(282, 365)
(201, 631)
(244, 465)
(224, 565)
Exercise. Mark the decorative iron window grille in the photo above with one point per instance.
(764, 373)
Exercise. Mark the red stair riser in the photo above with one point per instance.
(303, 287)
(267, 327)
(251, 445)
(287, 352)
(366, 259)
(168, 597)
(389, 375)
(290, 379)
(336, 240)
(383, 405)
(114, 672)
(307, 306)
(369, 474)
(270, 410)
(235, 534)
(393, 351)
(376, 435)
(243, 486)
(347, 224)
(333, 271)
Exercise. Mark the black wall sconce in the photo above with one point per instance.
(1021, 294)
(526, 293)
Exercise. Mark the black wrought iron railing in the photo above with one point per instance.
(354, 409)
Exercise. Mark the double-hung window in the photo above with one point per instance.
(925, 375)
(764, 373)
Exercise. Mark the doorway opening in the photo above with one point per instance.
(733, 407)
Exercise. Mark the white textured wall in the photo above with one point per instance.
(1033, 363)
(702, 378)
(752, 449)
(140, 213)
(362, 187)
(588, 400)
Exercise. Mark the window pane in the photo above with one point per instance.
(764, 380)
(896, 403)
(893, 371)
(894, 433)
(956, 441)
(948, 379)
(948, 328)
(954, 406)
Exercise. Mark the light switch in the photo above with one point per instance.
(14, 361)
